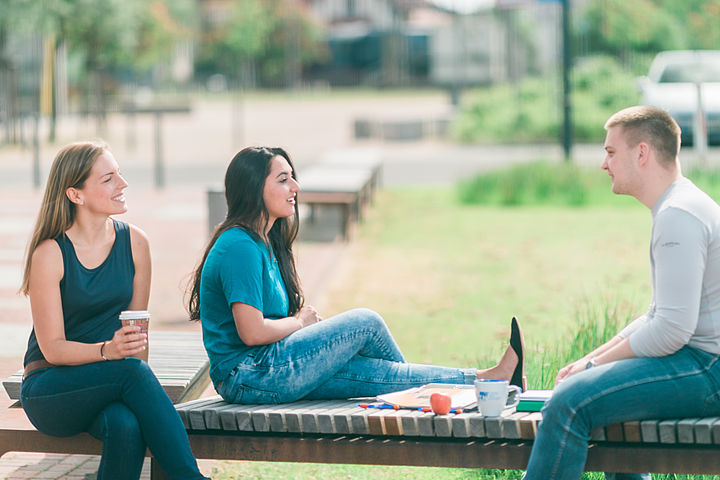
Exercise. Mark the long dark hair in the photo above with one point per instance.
(244, 184)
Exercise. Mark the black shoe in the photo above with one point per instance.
(517, 343)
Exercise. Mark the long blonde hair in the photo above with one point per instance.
(70, 168)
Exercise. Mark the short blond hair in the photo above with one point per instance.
(644, 123)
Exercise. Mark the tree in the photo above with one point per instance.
(618, 27)
(701, 20)
(105, 35)
(272, 37)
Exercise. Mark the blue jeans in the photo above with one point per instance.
(349, 355)
(119, 402)
(684, 384)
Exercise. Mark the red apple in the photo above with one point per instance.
(440, 403)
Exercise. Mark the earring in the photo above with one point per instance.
(81, 202)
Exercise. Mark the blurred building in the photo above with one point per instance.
(436, 42)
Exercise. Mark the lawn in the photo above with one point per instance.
(449, 276)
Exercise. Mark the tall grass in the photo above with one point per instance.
(596, 325)
(539, 183)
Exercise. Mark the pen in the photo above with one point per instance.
(397, 407)
(452, 410)
(384, 405)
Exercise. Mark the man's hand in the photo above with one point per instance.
(571, 369)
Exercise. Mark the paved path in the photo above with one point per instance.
(197, 148)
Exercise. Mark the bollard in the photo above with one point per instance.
(700, 127)
(217, 208)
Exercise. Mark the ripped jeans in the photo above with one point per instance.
(349, 355)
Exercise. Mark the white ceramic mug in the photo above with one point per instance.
(492, 396)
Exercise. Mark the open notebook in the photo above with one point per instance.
(461, 396)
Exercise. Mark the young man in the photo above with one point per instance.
(665, 363)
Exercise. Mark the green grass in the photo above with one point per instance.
(560, 184)
(448, 276)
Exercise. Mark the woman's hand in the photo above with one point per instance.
(126, 342)
(308, 315)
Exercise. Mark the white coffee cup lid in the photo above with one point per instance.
(127, 314)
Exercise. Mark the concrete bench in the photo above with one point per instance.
(177, 358)
(339, 431)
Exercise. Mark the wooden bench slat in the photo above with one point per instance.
(686, 430)
(614, 433)
(703, 430)
(667, 430)
(649, 430)
(443, 425)
(632, 432)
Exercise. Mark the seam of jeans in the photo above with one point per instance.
(563, 443)
(641, 381)
(50, 396)
(567, 425)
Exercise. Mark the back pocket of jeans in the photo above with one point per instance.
(249, 395)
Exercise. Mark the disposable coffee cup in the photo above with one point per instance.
(140, 318)
(492, 396)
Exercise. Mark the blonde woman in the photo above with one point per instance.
(82, 269)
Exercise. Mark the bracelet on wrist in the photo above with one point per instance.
(102, 351)
(592, 363)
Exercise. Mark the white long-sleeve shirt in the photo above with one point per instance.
(685, 275)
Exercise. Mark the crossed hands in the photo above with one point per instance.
(308, 315)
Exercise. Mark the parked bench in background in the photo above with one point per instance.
(347, 184)
(338, 431)
(401, 129)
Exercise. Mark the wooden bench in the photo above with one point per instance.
(347, 186)
(347, 180)
(177, 358)
(341, 432)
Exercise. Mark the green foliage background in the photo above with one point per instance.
(530, 111)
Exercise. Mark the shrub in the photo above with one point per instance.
(531, 111)
(532, 183)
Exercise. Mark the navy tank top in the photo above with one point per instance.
(92, 298)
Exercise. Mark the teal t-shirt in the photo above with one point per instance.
(241, 269)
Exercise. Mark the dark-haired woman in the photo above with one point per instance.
(264, 345)
(81, 372)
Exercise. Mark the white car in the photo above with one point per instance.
(671, 85)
